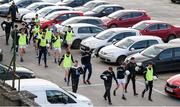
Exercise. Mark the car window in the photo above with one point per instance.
(163, 26)
(90, 21)
(117, 37)
(140, 45)
(137, 14)
(73, 15)
(84, 30)
(118, 8)
(108, 10)
(62, 17)
(55, 96)
(177, 52)
(153, 27)
(167, 54)
(126, 34)
(126, 16)
(96, 30)
(152, 42)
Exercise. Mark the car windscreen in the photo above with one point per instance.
(116, 14)
(44, 11)
(98, 9)
(140, 26)
(105, 35)
(51, 16)
(33, 6)
(90, 4)
(67, 1)
(125, 43)
(152, 51)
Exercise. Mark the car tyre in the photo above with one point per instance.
(76, 44)
(170, 37)
(173, 1)
(113, 26)
(120, 59)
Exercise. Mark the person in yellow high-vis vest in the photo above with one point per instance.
(22, 43)
(42, 46)
(69, 36)
(37, 18)
(149, 76)
(49, 35)
(68, 61)
(56, 44)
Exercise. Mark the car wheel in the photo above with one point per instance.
(1, 57)
(120, 59)
(97, 54)
(173, 1)
(76, 44)
(113, 26)
(171, 37)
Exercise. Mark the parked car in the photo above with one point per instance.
(103, 10)
(81, 31)
(49, 94)
(107, 37)
(125, 18)
(177, 40)
(6, 73)
(39, 5)
(44, 12)
(4, 8)
(90, 5)
(166, 57)
(58, 17)
(22, 12)
(175, 1)
(72, 3)
(158, 28)
(172, 86)
(85, 19)
(116, 53)
(1, 55)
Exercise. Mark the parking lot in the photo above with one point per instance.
(159, 10)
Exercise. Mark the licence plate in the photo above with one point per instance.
(169, 89)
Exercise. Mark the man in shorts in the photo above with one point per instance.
(69, 37)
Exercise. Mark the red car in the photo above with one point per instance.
(125, 18)
(158, 28)
(172, 86)
(58, 17)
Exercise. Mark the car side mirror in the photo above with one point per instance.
(103, 12)
(132, 49)
(114, 41)
(146, 30)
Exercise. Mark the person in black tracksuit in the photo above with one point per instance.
(86, 62)
(131, 68)
(14, 34)
(75, 72)
(42, 50)
(32, 24)
(13, 9)
(6, 26)
(107, 76)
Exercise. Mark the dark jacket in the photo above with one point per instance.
(121, 72)
(14, 33)
(131, 67)
(109, 76)
(86, 58)
(75, 72)
(12, 10)
(8, 26)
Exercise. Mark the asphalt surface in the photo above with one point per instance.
(159, 10)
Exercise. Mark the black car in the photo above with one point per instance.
(22, 72)
(175, 1)
(166, 57)
(4, 8)
(1, 55)
(72, 3)
(103, 10)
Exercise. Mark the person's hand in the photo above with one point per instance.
(105, 78)
(155, 77)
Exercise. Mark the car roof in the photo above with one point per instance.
(144, 37)
(122, 29)
(177, 40)
(81, 25)
(65, 12)
(152, 21)
(109, 5)
(34, 84)
(130, 10)
(167, 45)
(85, 17)
(97, 1)
(40, 3)
(56, 7)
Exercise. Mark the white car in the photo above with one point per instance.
(107, 37)
(116, 53)
(44, 12)
(49, 94)
(81, 31)
(22, 12)
(177, 40)
(39, 5)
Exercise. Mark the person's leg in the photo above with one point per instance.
(89, 67)
(127, 82)
(39, 57)
(21, 54)
(134, 84)
(105, 94)
(73, 85)
(123, 89)
(150, 84)
(84, 74)
(45, 57)
(146, 88)
(114, 92)
(7, 38)
(76, 84)
(109, 93)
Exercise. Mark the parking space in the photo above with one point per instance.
(159, 10)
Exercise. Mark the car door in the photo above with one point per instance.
(164, 60)
(116, 38)
(60, 99)
(125, 20)
(152, 42)
(95, 31)
(176, 59)
(136, 17)
(163, 30)
(61, 18)
(151, 30)
(70, 15)
(83, 32)
(138, 47)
